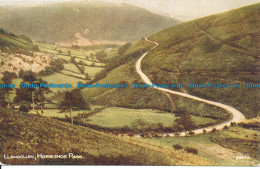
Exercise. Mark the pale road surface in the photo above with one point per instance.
(237, 116)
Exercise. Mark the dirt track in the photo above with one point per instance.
(237, 116)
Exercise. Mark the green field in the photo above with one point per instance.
(92, 71)
(71, 67)
(134, 118)
(58, 78)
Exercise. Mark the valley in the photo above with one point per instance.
(47, 106)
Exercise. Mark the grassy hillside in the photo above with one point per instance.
(59, 22)
(222, 147)
(129, 97)
(31, 134)
(222, 48)
(12, 43)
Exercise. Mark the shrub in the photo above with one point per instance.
(191, 132)
(204, 131)
(233, 123)
(23, 109)
(225, 127)
(213, 130)
(177, 147)
(131, 134)
(191, 150)
(177, 134)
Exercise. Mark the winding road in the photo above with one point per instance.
(237, 116)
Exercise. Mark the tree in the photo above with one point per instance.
(39, 93)
(26, 95)
(73, 59)
(73, 101)
(7, 79)
(101, 55)
(2, 98)
(69, 53)
(91, 56)
(184, 122)
(87, 76)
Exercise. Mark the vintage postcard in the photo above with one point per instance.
(130, 82)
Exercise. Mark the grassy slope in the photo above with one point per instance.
(222, 48)
(220, 147)
(59, 22)
(13, 44)
(30, 134)
(129, 97)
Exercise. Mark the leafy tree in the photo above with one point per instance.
(184, 122)
(73, 59)
(7, 79)
(2, 98)
(87, 76)
(26, 95)
(91, 56)
(23, 108)
(39, 94)
(101, 55)
(73, 101)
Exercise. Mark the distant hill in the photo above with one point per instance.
(222, 48)
(92, 22)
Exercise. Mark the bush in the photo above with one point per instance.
(191, 133)
(225, 127)
(177, 147)
(131, 134)
(213, 130)
(191, 150)
(23, 109)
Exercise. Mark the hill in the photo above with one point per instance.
(83, 22)
(218, 49)
(12, 43)
(23, 134)
(222, 48)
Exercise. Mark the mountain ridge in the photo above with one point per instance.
(60, 22)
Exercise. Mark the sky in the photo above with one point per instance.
(183, 10)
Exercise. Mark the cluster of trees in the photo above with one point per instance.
(184, 122)
(55, 66)
(34, 98)
(101, 56)
(31, 98)
(71, 101)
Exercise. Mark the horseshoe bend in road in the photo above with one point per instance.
(237, 116)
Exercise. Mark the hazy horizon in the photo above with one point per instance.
(183, 10)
